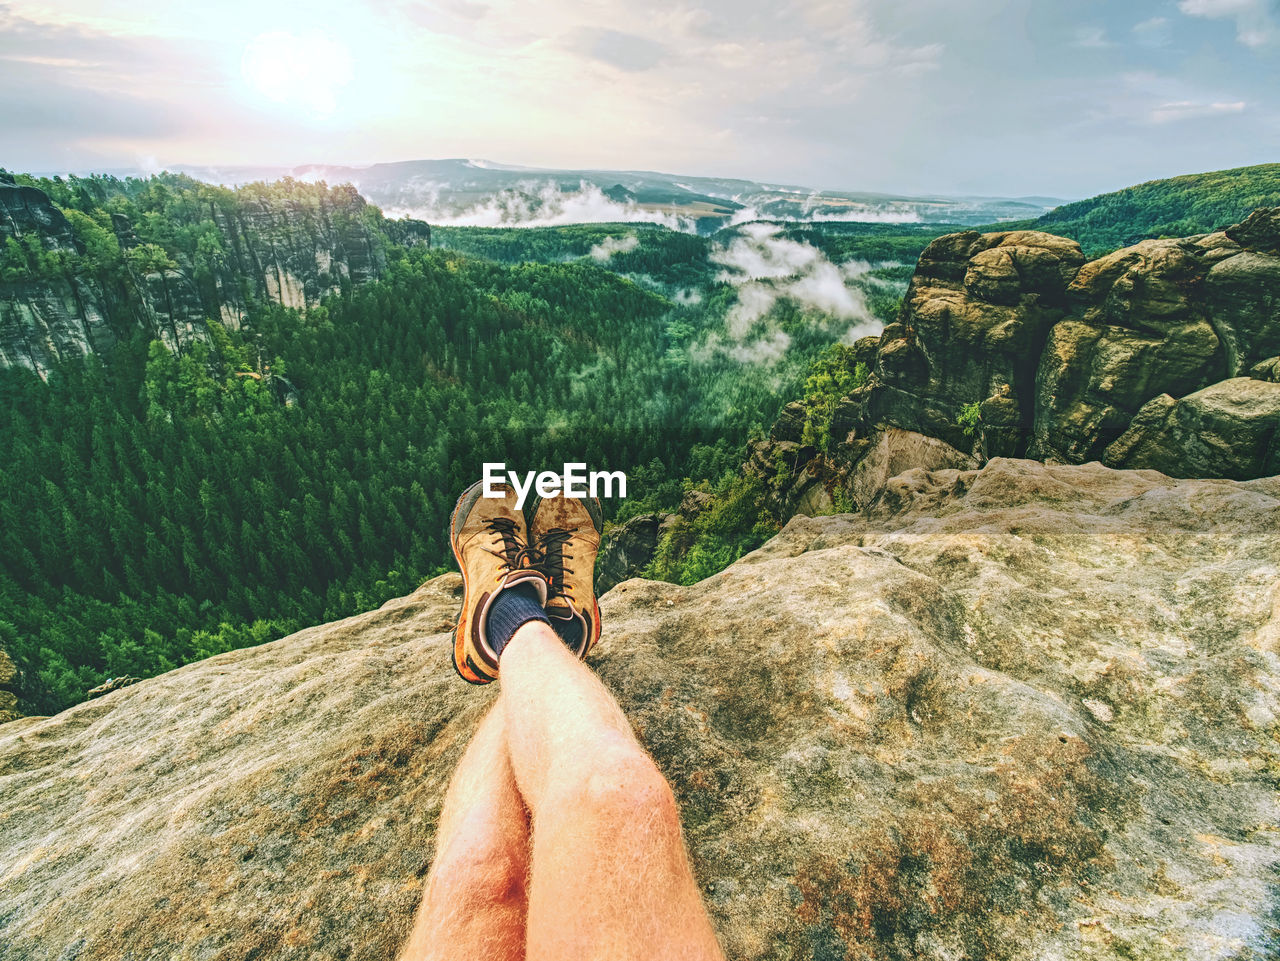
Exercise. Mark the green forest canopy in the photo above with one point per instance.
(1177, 207)
(159, 508)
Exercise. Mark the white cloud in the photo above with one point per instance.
(888, 212)
(614, 245)
(1255, 23)
(758, 253)
(1156, 32)
(764, 350)
(1150, 99)
(766, 268)
(537, 205)
(1191, 110)
(1091, 37)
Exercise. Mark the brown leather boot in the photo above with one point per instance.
(565, 535)
(490, 541)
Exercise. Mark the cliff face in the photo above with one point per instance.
(46, 320)
(1163, 355)
(1021, 712)
(293, 253)
(267, 246)
(1061, 355)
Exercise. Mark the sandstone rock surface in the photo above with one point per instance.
(1027, 711)
(1229, 429)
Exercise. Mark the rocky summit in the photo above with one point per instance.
(1060, 357)
(1164, 355)
(1022, 711)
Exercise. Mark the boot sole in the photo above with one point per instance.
(467, 499)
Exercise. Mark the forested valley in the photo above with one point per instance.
(159, 506)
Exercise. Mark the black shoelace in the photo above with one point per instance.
(547, 556)
(551, 557)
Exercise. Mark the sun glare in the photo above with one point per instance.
(302, 72)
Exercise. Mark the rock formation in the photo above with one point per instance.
(1061, 355)
(978, 308)
(47, 319)
(1027, 711)
(270, 247)
(629, 547)
(294, 252)
(1228, 429)
(1160, 355)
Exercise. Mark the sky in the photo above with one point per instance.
(1058, 98)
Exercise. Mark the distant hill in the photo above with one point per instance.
(480, 193)
(1177, 207)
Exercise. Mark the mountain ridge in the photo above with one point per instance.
(453, 190)
(1178, 206)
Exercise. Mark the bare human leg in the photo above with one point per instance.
(611, 879)
(475, 902)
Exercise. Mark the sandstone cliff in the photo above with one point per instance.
(1062, 355)
(267, 244)
(1163, 355)
(1027, 711)
(44, 319)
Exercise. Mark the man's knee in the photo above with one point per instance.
(483, 870)
(628, 792)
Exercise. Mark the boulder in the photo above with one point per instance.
(895, 451)
(1259, 231)
(1268, 370)
(1229, 429)
(1022, 712)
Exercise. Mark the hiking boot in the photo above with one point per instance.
(565, 535)
(489, 539)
